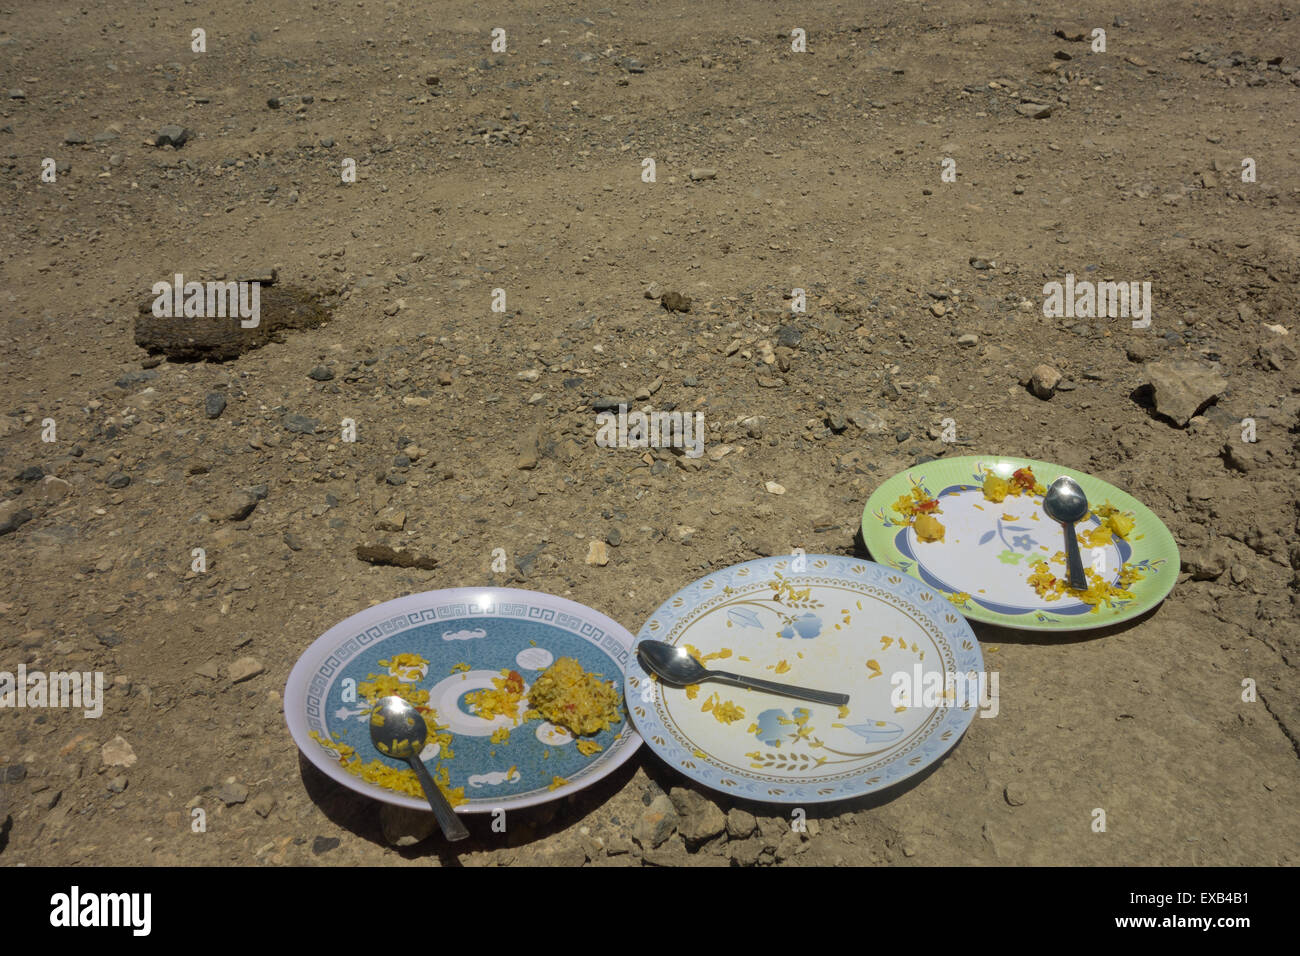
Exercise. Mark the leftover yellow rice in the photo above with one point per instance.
(569, 697)
(502, 699)
(1051, 587)
(402, 780)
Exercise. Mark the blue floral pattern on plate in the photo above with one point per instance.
(807, 764)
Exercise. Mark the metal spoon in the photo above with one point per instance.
(1065, 502)
(397, 730)
(676, 666)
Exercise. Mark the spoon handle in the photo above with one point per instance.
(451, 826)
(1073, 559)
(785, 690)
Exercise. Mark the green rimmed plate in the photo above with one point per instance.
(985, 560)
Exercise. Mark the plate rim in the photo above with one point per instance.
(983, 616)
(295, 694)
(801, 793)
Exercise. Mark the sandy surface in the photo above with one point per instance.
(522, 170)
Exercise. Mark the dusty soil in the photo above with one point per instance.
(522, 170)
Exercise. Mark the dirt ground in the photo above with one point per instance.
(522, 170)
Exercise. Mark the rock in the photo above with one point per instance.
(232, 792)
(237, 506)
(773, 488)
(652, 291)
(529, 445)
(1183, 387)
(245, 668)
(1139, 350)
(384, 555)
(1034, 110)
(980, 265)
(1262, 541)
(1207, 562)
(790, 844)
(214, 403)
(74, 138)
(281, 309)
(117, 753)
(675, 302)
(656, 824)
(967, 340)
(597, 553)
(701, 173)
(404, 826)
(789, 337)
(300, 424)
(117, 783)
(320, 374)
(740, 823)
(31, 473)
(745, 852)
(1043, 381)
(1014, 794)
(771, 829)
(869, 421)
(52, 490)
(12, 516)
(263, 804)
(172, 135)
(699, 818)
(391, 519)
(209, 669)
(323, 844)
(118, 480)
(938, 310)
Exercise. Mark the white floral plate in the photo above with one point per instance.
(822, 621)
(989, 551)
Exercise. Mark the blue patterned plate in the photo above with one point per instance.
(905, 656)
(459, 640)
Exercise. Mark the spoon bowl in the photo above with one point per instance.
(1065, 502)
(673, 664)
(398, 730)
